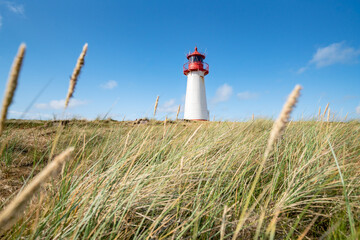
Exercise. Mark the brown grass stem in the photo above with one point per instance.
(223, 223)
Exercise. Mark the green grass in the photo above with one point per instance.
(173, 181)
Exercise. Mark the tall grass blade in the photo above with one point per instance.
(349, 212)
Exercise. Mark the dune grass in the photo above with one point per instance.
(11, 213)
(191, 181)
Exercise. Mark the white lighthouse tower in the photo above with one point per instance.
(195, 102)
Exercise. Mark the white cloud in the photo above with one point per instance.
(336, 53)
(109, 85)
(29, 115)
(247, 95)
(12, 7)
(358, 109)
(60, 104)
(18, 9)
(223, 93)
(301, 70)
(168, 107)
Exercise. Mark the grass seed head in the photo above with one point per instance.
(156, 105)
(11, 84)
(276, 132)
(178, 111)
(75, 75)
(283, 119)
(326, 108)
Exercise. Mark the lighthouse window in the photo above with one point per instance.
(196, 59)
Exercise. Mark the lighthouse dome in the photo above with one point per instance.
(196, 54)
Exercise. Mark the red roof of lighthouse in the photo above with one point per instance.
(195, 53)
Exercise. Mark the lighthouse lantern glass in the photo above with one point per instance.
(196, 59)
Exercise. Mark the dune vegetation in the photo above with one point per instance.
(148, 179)
(188, 180)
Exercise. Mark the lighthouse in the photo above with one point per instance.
(195, 101)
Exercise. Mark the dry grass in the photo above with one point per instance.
(133, 181)
(177, 113)
(181, 180)
(11, 85)
(282, 120)
(74, 77)
(326, 108)
(276, 132)
(156, 105)
(11, 213)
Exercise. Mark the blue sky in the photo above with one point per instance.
(257, 52)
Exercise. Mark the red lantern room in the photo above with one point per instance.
(196, 63)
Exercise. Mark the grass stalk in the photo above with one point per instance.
(74, 77)
(11, 85)
(177, 113)
(223, 223)
(276, 132)
(326, 108)
(156, 105)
